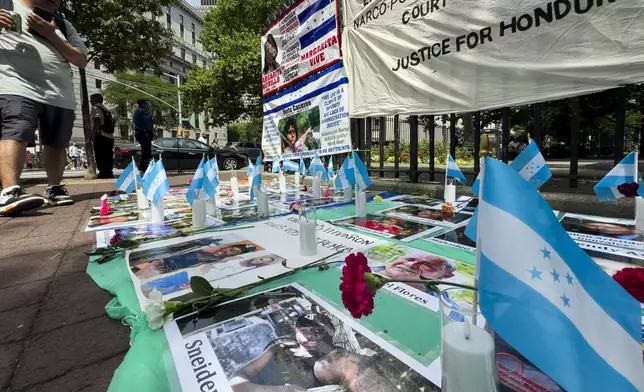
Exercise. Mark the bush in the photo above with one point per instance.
(463, 157)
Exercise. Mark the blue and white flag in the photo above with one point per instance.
(128, 179)
(158, 184)
(249, 171)
(276, 165)
(362, 175)
(146, 175)
(257, 178)
(346, 177)
(453, 171)
(289, 165)
(624, 172)
(330, 167)
(197, 183)
(316, 166)
(211, 180)
(547, 298)
(302, 167)
(532, 165)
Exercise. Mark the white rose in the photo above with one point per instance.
(155, 310)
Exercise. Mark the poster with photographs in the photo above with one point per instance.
(151, 231)
(113, 221)
(303, 41)
(246, 214)
(288, 339)
(455, 238)
(389, 227)
(311, 117)
(233, 259)
(428, 215)
(619, 233)
(463, 203)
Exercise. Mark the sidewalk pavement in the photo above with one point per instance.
(54, 332)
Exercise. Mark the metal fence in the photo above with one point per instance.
(400, 145)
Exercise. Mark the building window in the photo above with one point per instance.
(181, 26)
(172, 79)
(204, 63)
(97, 65)
(183, 54)
(168, 19)
(197, 122)
(194, 38)
(194, 58)
(99, 84)
(193, 26)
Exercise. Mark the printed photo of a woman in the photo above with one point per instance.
(293, 144)
(270, 55)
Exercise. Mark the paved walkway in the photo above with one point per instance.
(54, 332)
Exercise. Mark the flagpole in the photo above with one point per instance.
(136, 184)
(446, 167)
(475, 295)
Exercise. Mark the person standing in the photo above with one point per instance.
(74, 155)
(36, 50)
(143, 132)
(102, 124)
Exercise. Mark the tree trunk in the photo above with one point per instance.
(468, 126)
(89, 134)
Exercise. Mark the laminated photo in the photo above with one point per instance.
(428, 215)
(389, 227)
(287, 339)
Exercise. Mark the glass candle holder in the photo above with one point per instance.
(308, 235)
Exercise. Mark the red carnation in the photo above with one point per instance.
(306, 188)
(115, 240)
(356, 295)
(190, 181)
(632, 280)
(628, 189)
(105, 208)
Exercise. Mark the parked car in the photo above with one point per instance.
(180, 154)
(251, 149)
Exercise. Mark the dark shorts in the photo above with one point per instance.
(20, 117)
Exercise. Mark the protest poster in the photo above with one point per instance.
(310, 117)
(454, 238)
(389, 227)
(151, 231)
(246, 214)
(454, 56)
(233, 259)
(428, 215)
(417, 200)
(301, 42)
(113, 221)
(288, 339)
(618, 233)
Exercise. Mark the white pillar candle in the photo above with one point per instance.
(211, 206)
(348, 195)
(262, 203)
(141, 200)
(199, 213)
(157, 212)
(297, 179)
(639, 213)
(317, 190)
(361, 204)
(468, 359)
(282, 182)
(308, 238)
(234, 187)
(450, 193)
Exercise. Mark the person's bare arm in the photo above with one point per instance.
(48, 30)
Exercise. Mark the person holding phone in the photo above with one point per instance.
(37, 92)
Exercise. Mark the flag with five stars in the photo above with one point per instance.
(546, 297)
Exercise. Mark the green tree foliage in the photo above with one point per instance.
(121, 36)
(135, 86)
(248, 131)
(231, 89)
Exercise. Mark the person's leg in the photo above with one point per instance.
(98, 154)
(109, 157)
(56, 125)
(146, 151)
(18, 123)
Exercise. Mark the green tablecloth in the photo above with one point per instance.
(148, 366)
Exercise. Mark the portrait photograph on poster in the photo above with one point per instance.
(598, 230)
(389, 227)
(288, 339)
(427, 215)
(114, 221)
(301, 132)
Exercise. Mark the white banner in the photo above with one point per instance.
(303, 41)
(310, 117)
(441, 56)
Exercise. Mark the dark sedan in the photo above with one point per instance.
(180, 154)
